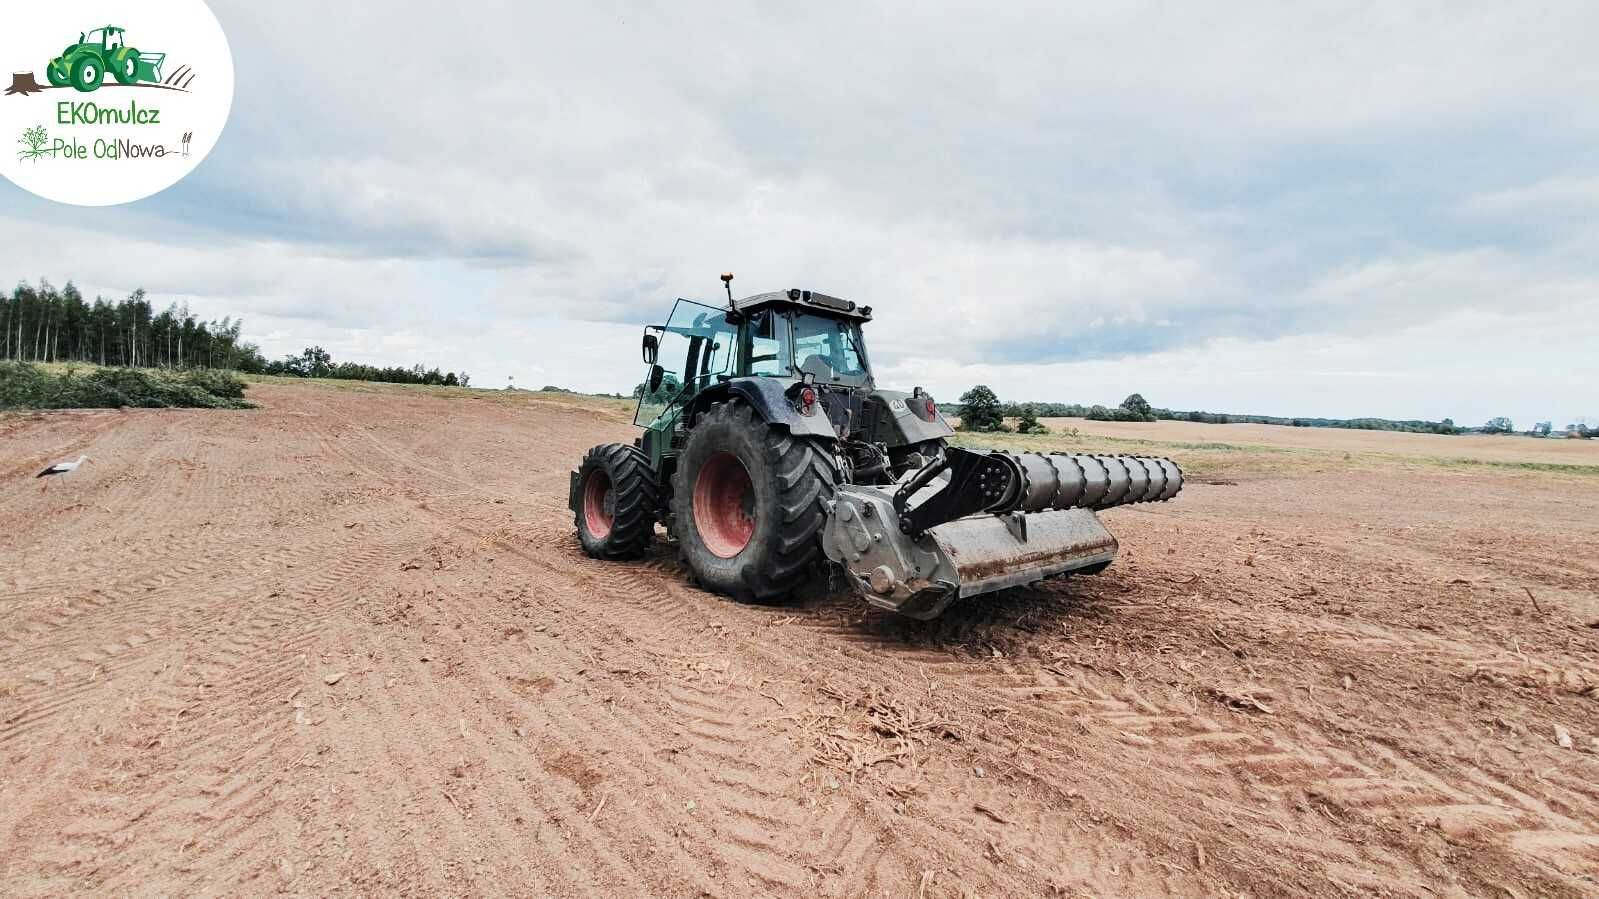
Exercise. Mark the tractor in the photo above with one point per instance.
(83, 65)
(768, 447)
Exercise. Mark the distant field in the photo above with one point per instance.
(1224, 452)
(1481, 448)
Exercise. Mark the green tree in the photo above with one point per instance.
(1137, 408)
(1027, 421)
(1500, 425)
(316, 362)
(980, 410)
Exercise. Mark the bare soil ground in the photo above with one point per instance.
(346, 643)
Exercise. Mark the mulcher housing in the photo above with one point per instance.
(767, 446)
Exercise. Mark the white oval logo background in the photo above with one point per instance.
(185, 79)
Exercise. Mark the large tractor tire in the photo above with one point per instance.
(748, 502)
(125, 66)
(87, 73)
(57, 72)
(616, 517)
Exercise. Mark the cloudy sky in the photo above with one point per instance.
(1338, 209)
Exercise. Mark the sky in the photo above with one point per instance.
(1318, 209)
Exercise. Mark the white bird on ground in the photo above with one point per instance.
(64, 467)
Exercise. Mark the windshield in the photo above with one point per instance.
(830, 349)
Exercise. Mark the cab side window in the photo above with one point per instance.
(767, 350)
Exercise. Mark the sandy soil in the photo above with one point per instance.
(346, 644)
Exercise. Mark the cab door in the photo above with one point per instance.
(696, 345)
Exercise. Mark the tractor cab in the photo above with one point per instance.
(107, 38)
(793, 336)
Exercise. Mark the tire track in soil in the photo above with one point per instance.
(185, 621)
(169, 797)
(1185, 740)
(622, 584)
(770, 864)
(611, 583)
(1311, 764)
(143, 622)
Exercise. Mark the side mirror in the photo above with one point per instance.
(657, 374)
(652, 348)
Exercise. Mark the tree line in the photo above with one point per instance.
(44, 323)
(981, 410)
(315, 362)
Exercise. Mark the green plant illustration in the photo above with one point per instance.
(33, 144)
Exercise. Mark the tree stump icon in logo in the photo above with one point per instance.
(24, 83)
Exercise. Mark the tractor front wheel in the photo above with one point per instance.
(748, 504)
(125, 66)
(617, 502)
(87, 73)
(57, 72)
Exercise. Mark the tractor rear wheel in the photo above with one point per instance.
(619, 498)
(748, 502)
(87, 73)
(125, 66)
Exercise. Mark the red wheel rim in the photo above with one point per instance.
(599, 509)
(724, 505)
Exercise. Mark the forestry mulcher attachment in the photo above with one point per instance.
(769, 446)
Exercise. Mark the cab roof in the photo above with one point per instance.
(808, 301)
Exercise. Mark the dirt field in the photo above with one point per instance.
(347, 644)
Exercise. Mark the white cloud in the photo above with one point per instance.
(1031, 194)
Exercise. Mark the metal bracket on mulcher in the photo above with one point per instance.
(978, 482)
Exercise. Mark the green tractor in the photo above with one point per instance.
(84, 65)
(768, 447)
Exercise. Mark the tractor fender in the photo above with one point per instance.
(895, 424)
(766, 396)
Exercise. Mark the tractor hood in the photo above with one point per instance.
(897, 418)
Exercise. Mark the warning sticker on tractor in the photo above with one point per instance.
(110, 102)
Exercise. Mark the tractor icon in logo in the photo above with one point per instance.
(84, 65)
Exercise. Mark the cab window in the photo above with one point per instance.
(829, 349)
(768, 349)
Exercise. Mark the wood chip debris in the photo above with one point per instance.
(1242, 700)
(989, 813)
